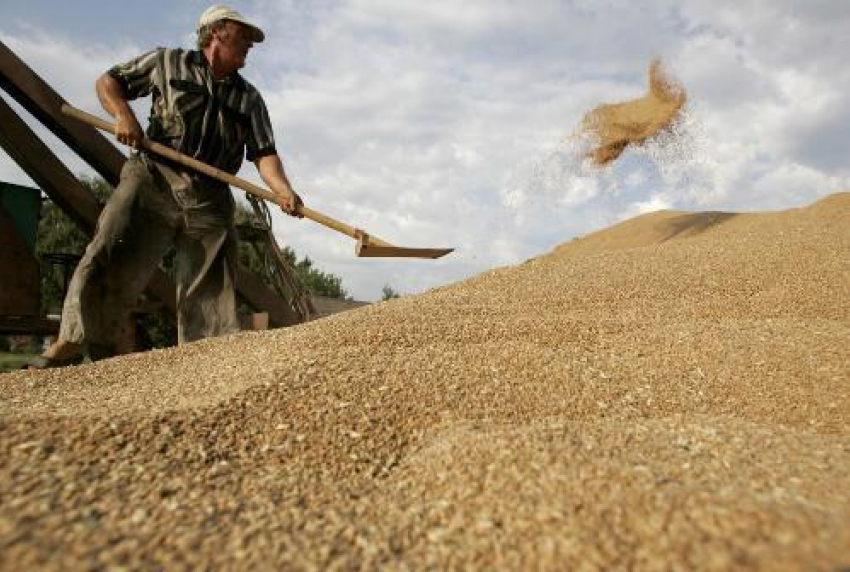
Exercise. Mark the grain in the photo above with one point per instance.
(669, 393)
(612, 127)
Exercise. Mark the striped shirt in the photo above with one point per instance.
(218, 122)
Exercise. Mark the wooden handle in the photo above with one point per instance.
(223, 176)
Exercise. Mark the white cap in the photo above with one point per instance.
(219, 12)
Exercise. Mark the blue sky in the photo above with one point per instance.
(449, 123)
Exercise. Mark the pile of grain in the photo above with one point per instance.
(613, 127)
(672, 392)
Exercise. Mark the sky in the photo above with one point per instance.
(451, 124)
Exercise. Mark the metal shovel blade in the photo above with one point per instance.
(366, 250)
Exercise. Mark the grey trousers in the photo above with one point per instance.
(152, 209)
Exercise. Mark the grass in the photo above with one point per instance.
(12, 361)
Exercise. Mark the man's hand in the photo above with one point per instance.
(289, 202)
(128, 131)
(272, 173)
(114, 101)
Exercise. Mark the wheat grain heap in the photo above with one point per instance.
(612, 127)
(669, 393)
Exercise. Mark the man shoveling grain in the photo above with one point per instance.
(204, 108)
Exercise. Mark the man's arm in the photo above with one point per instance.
(114, 101)
(271, 171)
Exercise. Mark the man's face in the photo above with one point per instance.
(234, 41)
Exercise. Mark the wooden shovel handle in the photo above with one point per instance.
(224, 176)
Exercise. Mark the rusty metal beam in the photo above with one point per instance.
(25, 148)
(28, 325)
(37, 97)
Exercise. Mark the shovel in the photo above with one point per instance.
(367, 245)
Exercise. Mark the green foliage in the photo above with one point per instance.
(156, 330)
(252, 255)
(318, 282)
(14, 361)
(59, 235)
(388, 293)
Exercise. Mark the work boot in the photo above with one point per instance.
(59, 354)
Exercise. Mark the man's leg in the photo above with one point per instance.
(133, 233)
(206, 299)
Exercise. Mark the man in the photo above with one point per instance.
(202, 107)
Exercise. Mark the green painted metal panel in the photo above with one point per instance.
(23, 204)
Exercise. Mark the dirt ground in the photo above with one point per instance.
(672, 393)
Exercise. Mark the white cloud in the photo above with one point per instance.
(654, 203)
(70, 67)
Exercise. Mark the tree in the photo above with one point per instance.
(388, 293)
(252, 255)
(60, 243)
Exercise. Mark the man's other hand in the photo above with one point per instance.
(128, 131)
(289, 202)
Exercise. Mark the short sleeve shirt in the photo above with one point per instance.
(218, 122)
